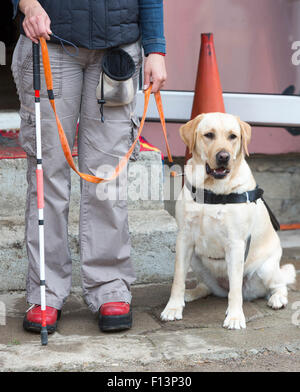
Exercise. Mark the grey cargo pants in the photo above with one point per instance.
(106, 267)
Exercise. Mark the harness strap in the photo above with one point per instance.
(209, 197)
(63, 139)
(273, 218)
(203, 196)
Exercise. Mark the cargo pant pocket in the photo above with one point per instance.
(135, 125)
(27, 136)
(101, 152)
(49, 134)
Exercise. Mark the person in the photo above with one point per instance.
(106, 269)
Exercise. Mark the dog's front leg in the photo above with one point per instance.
(184, 252)
(235, 318)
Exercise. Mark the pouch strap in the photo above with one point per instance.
(63, 139)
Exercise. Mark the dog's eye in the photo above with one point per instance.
(232, 136)
(209, 135)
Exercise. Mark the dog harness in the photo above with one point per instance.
(204, 196)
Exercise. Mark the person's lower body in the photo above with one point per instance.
(106, 268)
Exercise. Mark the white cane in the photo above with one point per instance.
(40, 187)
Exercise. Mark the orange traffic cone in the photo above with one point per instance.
(208, 90)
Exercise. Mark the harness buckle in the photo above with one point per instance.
(247, 196)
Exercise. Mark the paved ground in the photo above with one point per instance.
(271, 341)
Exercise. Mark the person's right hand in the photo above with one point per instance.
(36, 23)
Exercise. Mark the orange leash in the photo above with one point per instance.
(63, 139)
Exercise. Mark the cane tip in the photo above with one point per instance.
(44, 336)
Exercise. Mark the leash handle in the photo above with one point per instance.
(63, 139)
(163, 122)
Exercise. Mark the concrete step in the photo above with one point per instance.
(153, 236)
(152, 229)
(144, 178)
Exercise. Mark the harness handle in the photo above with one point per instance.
(63, 139)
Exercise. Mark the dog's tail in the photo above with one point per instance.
(289, 273)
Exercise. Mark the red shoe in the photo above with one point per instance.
(33, 319)
(115, 316)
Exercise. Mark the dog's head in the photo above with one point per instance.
(217, 140)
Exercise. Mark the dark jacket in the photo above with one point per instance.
(99, 24)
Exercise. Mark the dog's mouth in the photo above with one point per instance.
(218, 173)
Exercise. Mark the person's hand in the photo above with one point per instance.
(155, 72)
(36, 23)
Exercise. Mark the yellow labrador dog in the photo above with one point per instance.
(230, 243)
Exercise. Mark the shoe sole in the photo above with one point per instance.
(115, 323)
(36, 327)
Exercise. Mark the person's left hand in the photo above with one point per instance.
(155, 72)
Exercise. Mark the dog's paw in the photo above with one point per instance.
(234, 320)
(172, 312)
(277, 301)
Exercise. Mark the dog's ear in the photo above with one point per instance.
(245, 134)
(188, 132)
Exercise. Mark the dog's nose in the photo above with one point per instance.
(222, 157)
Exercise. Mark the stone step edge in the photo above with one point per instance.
(141, 222)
